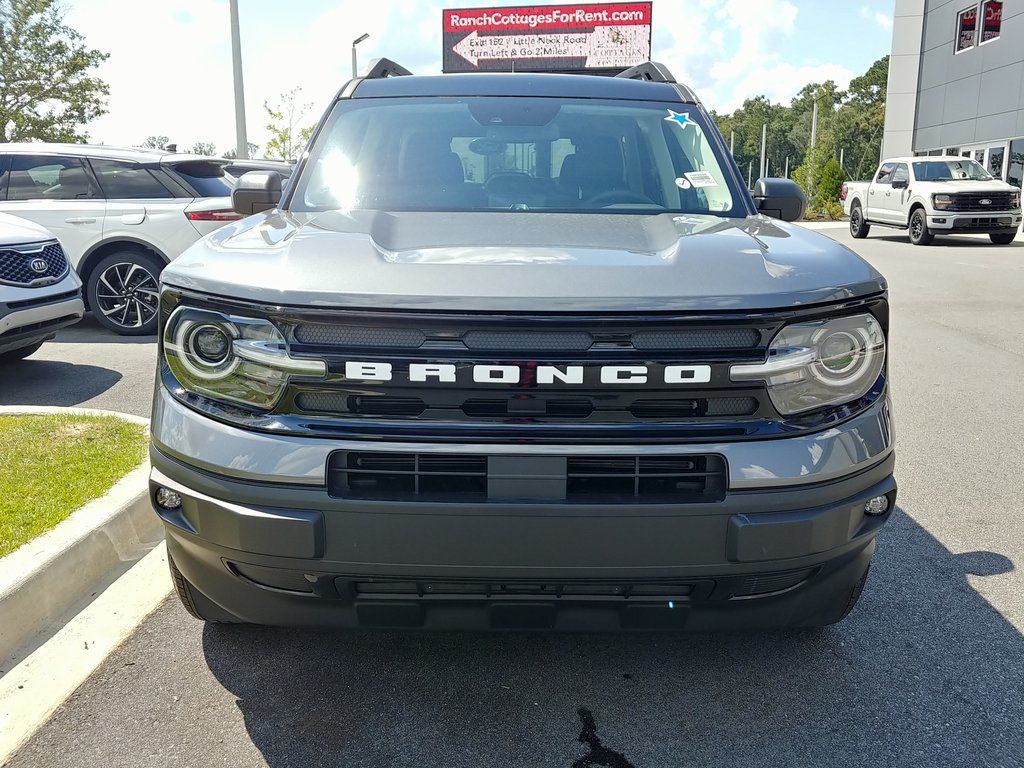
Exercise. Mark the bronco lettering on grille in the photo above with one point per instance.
(447, 373)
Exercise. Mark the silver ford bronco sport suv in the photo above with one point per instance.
(520, 351)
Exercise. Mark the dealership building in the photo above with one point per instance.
(956, 82)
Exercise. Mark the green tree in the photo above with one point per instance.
(155, 142)
(47, 89)
(204, 148)
(288, 128)
(232, 154)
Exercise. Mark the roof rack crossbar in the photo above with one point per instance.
(651, 71)
(381, 68)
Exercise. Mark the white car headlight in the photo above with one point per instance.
(821, 363)
(238, 359)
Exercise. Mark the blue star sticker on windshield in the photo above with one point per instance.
(681, 118)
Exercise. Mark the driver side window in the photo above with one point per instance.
(901, 173)
(48, 177)
(885, 174)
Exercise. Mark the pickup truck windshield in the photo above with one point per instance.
(518, 154)
(950, 170)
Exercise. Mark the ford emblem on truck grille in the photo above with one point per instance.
(986, 201)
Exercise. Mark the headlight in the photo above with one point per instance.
(225, 357)
(817, 364)
(1015, 200)
(942, 201)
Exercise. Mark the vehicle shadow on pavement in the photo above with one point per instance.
(951, 242)
(51, 382)
(89, 331)
(924, 672)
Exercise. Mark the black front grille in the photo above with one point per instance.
(454, 477)
(531, 407)
(522, 340)
(25, 267)
(971, 202)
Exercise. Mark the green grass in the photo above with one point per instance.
(52, 465)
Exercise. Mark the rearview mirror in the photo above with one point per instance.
(779, 198)
(256, 191)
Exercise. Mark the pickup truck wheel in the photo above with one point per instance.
(919, 232)
(1002, 238)
(195, 602)
(859, 228)
(124, 293)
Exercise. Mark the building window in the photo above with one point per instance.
(992, 20)
(996, 155)
(1015, 170)
(966, 29)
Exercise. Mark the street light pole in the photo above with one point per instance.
(355, 61)
(242, 141)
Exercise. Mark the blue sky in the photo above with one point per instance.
(170, 66)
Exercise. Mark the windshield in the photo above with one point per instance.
(518, 154)
(950, 170)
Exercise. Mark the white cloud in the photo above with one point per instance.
(884, 20)
(170, 66)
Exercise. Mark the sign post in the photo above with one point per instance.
(600, 38)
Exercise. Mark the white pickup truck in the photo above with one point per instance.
(930, 196)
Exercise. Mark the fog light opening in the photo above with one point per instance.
(168, 499)
(879, 505)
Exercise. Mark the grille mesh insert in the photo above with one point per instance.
(14, 265)
(528, 341)
(697, 338)
(327, 335)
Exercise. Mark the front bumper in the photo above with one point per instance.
(30, 315)
(995, 222)
(280, 550)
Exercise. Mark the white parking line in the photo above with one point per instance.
(33, 689)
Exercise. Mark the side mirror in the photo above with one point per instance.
(780, 199)
(256, 191)
(900, 184)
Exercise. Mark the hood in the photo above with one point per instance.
(522, 262)
(15, 231)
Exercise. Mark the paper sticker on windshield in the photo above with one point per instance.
(683, 183)
(701, 179)
(679, 118)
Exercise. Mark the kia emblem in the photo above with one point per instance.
(39, 266)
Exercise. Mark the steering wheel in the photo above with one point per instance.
(612, 197)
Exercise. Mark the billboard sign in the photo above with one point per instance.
(560, 38)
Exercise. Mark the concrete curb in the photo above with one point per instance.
(45, 578)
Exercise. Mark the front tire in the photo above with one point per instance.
(124, 292)
(195, 602)
(1002, 238)
(918, 228)
(859, 227)
(15, 355)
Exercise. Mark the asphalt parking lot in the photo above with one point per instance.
(928, 670)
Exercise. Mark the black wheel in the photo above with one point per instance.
(1002, 238)
(918, 228)
(195, 602)
(859, 227)
(124, 292)
(15, 355)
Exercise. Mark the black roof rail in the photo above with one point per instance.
(651, 71)
(380, 68)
